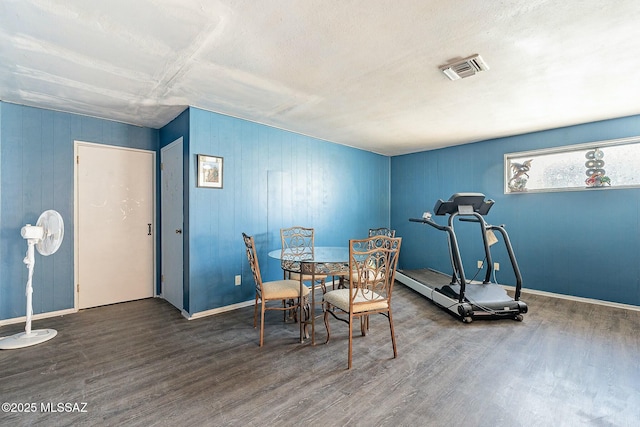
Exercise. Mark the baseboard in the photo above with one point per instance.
(578, 299)
(231, 307)
(38, 316)
(218, 310)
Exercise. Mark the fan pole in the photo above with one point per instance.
(30, 261)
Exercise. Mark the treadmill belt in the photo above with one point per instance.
(476, 292)
(485, 294)
(431, 278)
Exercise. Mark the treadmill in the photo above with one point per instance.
(468, 299)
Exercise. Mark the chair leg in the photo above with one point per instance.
(306, 309)
(262, 323)
(325, 308)
(255, 312)
(350, 339)
(393, 335)
(342, 283)
(323, 285)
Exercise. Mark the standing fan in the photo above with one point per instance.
(46, 236)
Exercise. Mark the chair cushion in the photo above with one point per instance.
(283, 289)
(371, 273)
(366, 300)
(296, 276)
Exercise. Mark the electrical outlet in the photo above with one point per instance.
(238, 280)
(496, 266)
(480, 264)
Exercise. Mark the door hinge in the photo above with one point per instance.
(161, 166)
(78, 287)
(162, 277)
(77, 160)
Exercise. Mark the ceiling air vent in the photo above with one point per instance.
(465, 68)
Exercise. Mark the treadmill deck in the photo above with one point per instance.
(490, 294)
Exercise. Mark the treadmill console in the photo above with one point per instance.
(463, 203)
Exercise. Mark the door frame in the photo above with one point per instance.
(76, 246)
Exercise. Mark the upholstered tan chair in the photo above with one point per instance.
(372, 263)
(285, 291)
(298, 245)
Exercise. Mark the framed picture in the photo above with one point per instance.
(209, 171)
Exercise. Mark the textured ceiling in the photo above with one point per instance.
(360, 73)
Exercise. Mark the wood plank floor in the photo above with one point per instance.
(141, 364)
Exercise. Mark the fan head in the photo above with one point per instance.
(52, 232)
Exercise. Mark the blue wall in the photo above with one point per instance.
(582, 243)
(178, 127)
(272, 179)
(36, 174)
(575, 243)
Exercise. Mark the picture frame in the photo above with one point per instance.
(210, 171)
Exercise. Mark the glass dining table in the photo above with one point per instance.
(322, 261)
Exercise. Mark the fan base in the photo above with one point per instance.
(23, 340)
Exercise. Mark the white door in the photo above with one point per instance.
(172, 219)
(115, 198)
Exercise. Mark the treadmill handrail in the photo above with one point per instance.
(507, 243)
(512, 257)
(455, 253)
(430, 222)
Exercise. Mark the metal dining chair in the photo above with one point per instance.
(286, 291)
(382, 231)
(372, 263)
(298, 245)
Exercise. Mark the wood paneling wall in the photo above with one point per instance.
(581, 243)
(36, 155)
(272, 179)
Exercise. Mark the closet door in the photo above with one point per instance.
(115, 198)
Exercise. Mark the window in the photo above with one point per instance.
(602, 164)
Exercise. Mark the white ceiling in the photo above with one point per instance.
(363, 73)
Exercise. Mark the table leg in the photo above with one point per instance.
(308, 268)
(301, 318)
(312, 309)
